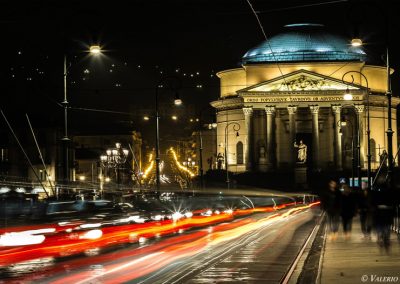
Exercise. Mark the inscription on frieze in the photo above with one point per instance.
(289, 99)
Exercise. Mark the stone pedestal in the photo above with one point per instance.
(262, 161)
(300, 175)
(262, 165)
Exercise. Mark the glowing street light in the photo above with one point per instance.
(236, 127)
(347, 95)
(356, 42)
(114, 158)
(368, 130)
(389, 132)
(177, 102)
(94, 49)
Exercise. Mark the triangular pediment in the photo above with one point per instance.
(301, 80)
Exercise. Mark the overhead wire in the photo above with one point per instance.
(269, 45)
(302, 6)
(290, 8)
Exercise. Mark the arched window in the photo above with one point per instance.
(372, 145)
(239, 153)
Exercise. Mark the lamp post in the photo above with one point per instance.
(210, 126)
(65, 139)
(201, 160)
(93, 50)
(189, 164)
(199, 120)
(389, 131)
(368, 132)
(342, 123)
(114, 158)
(177, 102)
(236, 127)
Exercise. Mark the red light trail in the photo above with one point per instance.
(68, 240)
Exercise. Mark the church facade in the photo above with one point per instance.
(286, 105)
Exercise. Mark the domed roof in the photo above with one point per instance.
(304, 42)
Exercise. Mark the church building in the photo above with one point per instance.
(302, 98)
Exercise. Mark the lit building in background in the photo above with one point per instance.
(290, 89)
(209, 155)
(89, 148)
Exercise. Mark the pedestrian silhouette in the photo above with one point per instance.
(383, 211)
(330, 201)
(365, 212)
(348, 209)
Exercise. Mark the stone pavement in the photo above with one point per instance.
(357, 260)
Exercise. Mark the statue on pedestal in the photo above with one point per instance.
(220, 161)
(262, 153)
(301, 152)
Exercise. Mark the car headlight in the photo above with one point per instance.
(157, 217)
(92, 234)
(188, 214)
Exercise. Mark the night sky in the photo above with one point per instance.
(144, 41)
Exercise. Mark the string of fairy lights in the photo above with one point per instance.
(150, 168)
(179, 165)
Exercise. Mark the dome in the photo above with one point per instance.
(304, 42)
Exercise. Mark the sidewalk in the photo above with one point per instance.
(357, 260)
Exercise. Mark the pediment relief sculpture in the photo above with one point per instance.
(302, 81)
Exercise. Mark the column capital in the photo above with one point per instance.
(248, 111)
(336, 108)
(269, 110)
(359, 108)
(314, 109)
(292, 109)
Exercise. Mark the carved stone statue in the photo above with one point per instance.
(262, 152)
(301, 152)
(220, 160)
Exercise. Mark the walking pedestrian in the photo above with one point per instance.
(364, 210)
(330, 201)
(348, 209)
(383, 207)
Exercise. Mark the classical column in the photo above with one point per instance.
(248, 120)
(262, 129)
(270, 111)
(260, 141)
(315, 135)
(360, 117)
(292, 133)
(338, 139)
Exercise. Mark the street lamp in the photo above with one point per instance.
(389, 132)
(368, 129)
(343, 123)
(236, 127)
(177, 102)
(209, 126)
(201, 160)
(200, 126)
(114, 158)
(93, 50)
(190, 165)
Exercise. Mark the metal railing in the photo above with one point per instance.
(383, 166)
(396, 221)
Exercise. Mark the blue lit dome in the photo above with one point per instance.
(304, 42)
